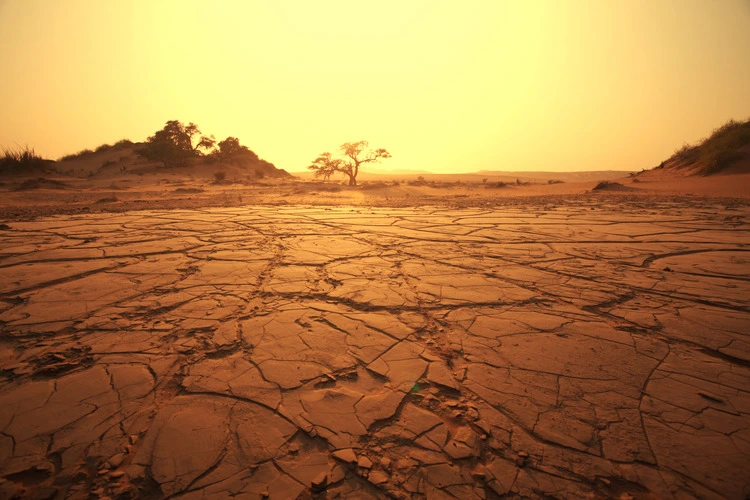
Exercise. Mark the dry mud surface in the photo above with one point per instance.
(592, 350)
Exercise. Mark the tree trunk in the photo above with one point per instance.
(352, 180)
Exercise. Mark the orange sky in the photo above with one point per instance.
(445, 87)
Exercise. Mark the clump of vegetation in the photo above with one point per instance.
(21, 160)
(555, 181)
(77, 156)
(374, 185)
(219, 177)
(173, 145)
(41, 182)
(84, 153)
(177, 144)
(108, 199)
(496, 185)
(610, 186)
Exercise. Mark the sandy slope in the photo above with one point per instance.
(191, 188)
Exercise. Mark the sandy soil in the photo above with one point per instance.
(563, 343)
(166, 190)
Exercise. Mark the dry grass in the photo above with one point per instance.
(21, 160)
(717, 151)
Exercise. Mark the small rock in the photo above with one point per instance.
(115, 460)
(710, 397)
(668, 269)
(479, 473)
(116, 474)
(319, 483)
(337, 474)
(364, 462)
(385, 462)
(377, 477)
(346, 454)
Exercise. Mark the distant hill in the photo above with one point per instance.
(121, 158)
(725, 151)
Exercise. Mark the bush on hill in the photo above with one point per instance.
(121, 144)
(717, 151)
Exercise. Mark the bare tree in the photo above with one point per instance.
(353, 154)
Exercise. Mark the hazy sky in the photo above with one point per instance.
(444, 86)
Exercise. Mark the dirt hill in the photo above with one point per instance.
(725, 151)
(121, 159)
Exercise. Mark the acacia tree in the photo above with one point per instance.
(353, 154)
(230, 148)
(173, 144)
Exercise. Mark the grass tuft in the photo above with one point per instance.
(21, 160)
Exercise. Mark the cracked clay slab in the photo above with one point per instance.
(572, 350)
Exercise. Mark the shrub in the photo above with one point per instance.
(686, 153)
(81, 154)
(719, 160)
(220, 176)
(721, 148)
(108, 163)
(555, 181)
(21, 159)
(41, 182)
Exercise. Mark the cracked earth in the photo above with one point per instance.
(590, 349)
